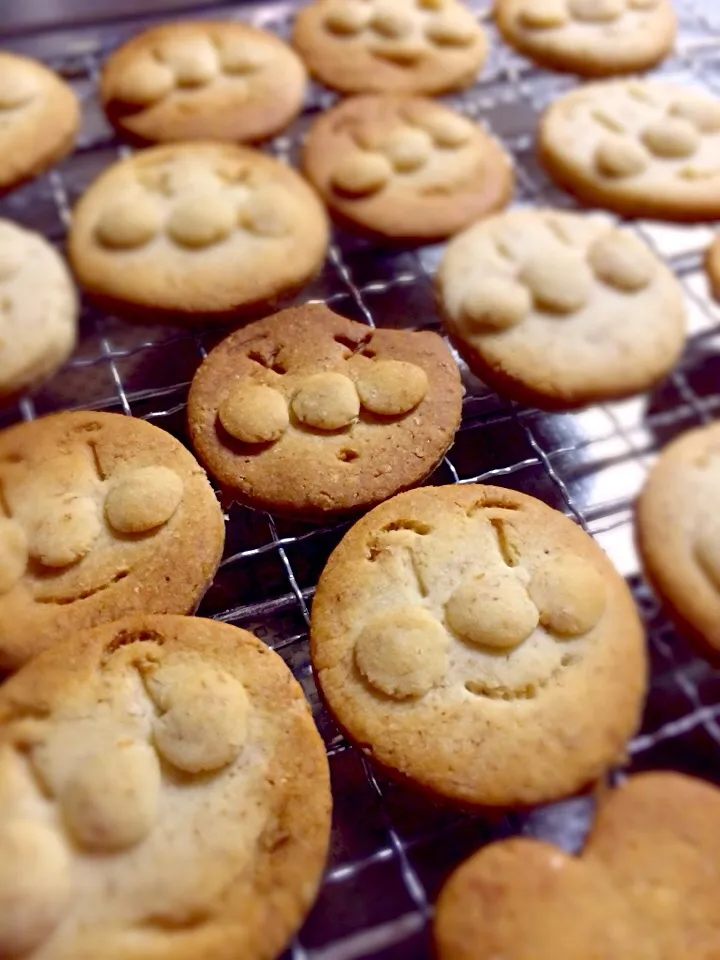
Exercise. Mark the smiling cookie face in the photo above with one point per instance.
(139, 758)
(102, 515)
(197, 228)
(562, 286)
(460, 634)
(309, 413)
(390, 46)
(589, 37)
(203, 80)
(643, 148)
(405, 168)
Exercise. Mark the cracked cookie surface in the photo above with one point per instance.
(480, 645)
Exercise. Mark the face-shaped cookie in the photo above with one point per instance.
(39, 117)
(162, 789)
(590, 37)
(405, 168)
(101, 515)
(480, 644)
(390, 46)
(561, 286)
(645, 886)
(643, 148)
(197, 229)
(203, 81)
(309, 413)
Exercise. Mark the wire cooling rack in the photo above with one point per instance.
(390, 850)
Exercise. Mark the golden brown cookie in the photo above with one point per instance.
(163, 793)
(197, 231)
(679, 534)
(101, 515)
(202, 80)
(39, 119)
(643, 148)
(595, 38)
(309, 413)
(390, 46)
(405, 168)
(645, 886)
(480, 645)
(594, 302)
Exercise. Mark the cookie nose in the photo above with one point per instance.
(493, 611)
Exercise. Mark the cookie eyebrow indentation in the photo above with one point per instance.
(640, 94)
(607, 120)
(415, 526)
(508, 551)
(101, 474)
(556, 228)
(84, 594)
(354, 345)
(489, 502)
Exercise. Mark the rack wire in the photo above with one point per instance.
(391, 850)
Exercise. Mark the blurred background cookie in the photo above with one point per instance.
(561, 309)
(203, 80)
(405, 168)
(393, 46)
(198, 231)
(39, 119)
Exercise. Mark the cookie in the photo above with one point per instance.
(479, 645)
(678, 533)
(39, 119)
(712, 266)
(197, 231)
(202, 80)
(405, 168)
(644, 887)
(308, 413)
(163, 793)
(560, 309)
(38, 310)
(594, 38)
(101, 515)
(640, 147)
(390, 46)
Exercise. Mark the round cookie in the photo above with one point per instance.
(390, 46)
(644, 887)
(594, 38)
(602, 311)
(202, 80)
(405, 168)
(678, 533)
(479, 645)
(712, 266)
(197, 231)
(101, 515)
(39, 119)
(163, 793)
(38, 309)
(308, 413)
(640, 147)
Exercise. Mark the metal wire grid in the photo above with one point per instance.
(390, 850)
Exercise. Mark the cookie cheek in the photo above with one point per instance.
(704, 114)
(620, 157)
(559, 284)
(267, 213)
(671, 138)
(17, 89)
(349, 19)
(34, 885)
(63, 530)
(254, 413)
(326, 401)
(570, 595)
(392, 387)
(495, 304)
(13, 554)
(402, 653)
(448, 132)
(619, 260)
(143, 500)
(492, 611)
(128, 225)
(111, 801)
(361, 174)
(143, 83)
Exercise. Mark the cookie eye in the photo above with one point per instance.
(392, 387)
(326, 401)
(63, 530)
(143, 499)
(492, 611)
(570, 594)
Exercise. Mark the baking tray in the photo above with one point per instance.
(391, 850)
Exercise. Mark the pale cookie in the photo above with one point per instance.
(561, 309)
(163, 793)
(678, 532)
(640, 147)
(197, 231)
(203, 80)
(480, 645)
(39, 119)
(712, 266)
(309, 413)
(101, 515)
(644, 887)
(38, 309)
(390, 46)
(405, 168)
(594, 38)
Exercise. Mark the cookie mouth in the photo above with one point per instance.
(492, 690)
